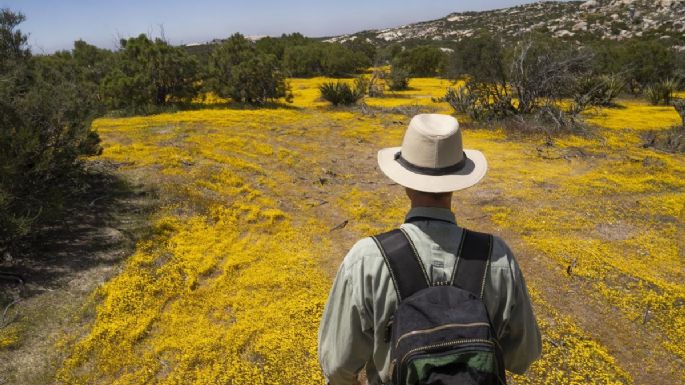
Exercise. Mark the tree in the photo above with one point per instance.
(482, 56)
(150, 73)
(362, 46)
(422, 61)
(258, 80)
(304, 60)
(85, 65)
(640, 62)
(529, 80)
(329, 59)
(543, 70)
(240, 72)
(276, 45)
(398, 79)
(44, 129)
(341, 61)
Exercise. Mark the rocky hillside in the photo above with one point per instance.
(573, 20)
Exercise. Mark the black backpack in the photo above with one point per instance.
(441, 333)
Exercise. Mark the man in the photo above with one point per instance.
(431, 164)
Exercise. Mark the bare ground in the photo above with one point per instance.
(62, 264)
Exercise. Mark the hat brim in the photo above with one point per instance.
(473, 171)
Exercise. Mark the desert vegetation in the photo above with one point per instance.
(262, 171)
(45, 130)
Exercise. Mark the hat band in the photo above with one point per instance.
(429, 170)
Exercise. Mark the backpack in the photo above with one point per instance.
(441, 333)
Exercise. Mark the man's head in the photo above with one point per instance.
(432, 158)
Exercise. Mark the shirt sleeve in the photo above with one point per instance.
(344, 346)
(520, 340)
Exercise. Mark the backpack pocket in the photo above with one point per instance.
(463, 361)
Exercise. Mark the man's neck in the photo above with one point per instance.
(421, 199)
(430, 204)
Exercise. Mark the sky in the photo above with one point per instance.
(55, 24)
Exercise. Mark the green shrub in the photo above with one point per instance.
(44, 129)
(641, 61)
(480, 101)
(398, 79)
(339, 61)
(653, 94)
(481, 57)
(460, 99)
(661, 92)
(377, 81)
(668, 89)
(149, 74)
(341, 93)
(421, 61)
(313, 58)
(596, 91)
(240, 72)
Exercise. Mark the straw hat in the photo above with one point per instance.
(432, 157)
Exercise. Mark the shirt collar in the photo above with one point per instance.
(438, 213)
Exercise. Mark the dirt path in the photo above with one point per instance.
(63, 264)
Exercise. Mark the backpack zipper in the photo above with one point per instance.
(438, 328)
(441, 345)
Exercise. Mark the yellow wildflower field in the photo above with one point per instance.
(258, 207)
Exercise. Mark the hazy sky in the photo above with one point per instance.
(55, 24)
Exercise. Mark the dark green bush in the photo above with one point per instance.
(341, 93)
(241, 72)
(398, 79)
(364, 47)
(640, 61)
(421, 61)
(377, 83)
(44, 129)
(150, 74)
(328, 59)
(661, 92)
(85, 66)
(653, 94)
(340, 61)
(524, 84)
(460, 99)
(480, 101)
(304, 60)
(482, 57)
(596, 91)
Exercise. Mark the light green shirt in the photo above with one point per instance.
(362, 299)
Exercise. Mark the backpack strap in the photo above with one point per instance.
(473, 260)
(406, 270)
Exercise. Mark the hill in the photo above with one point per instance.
(574, 20)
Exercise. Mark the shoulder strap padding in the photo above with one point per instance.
(403, 262)
(473, 260)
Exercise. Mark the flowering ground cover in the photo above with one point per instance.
(258, 207)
